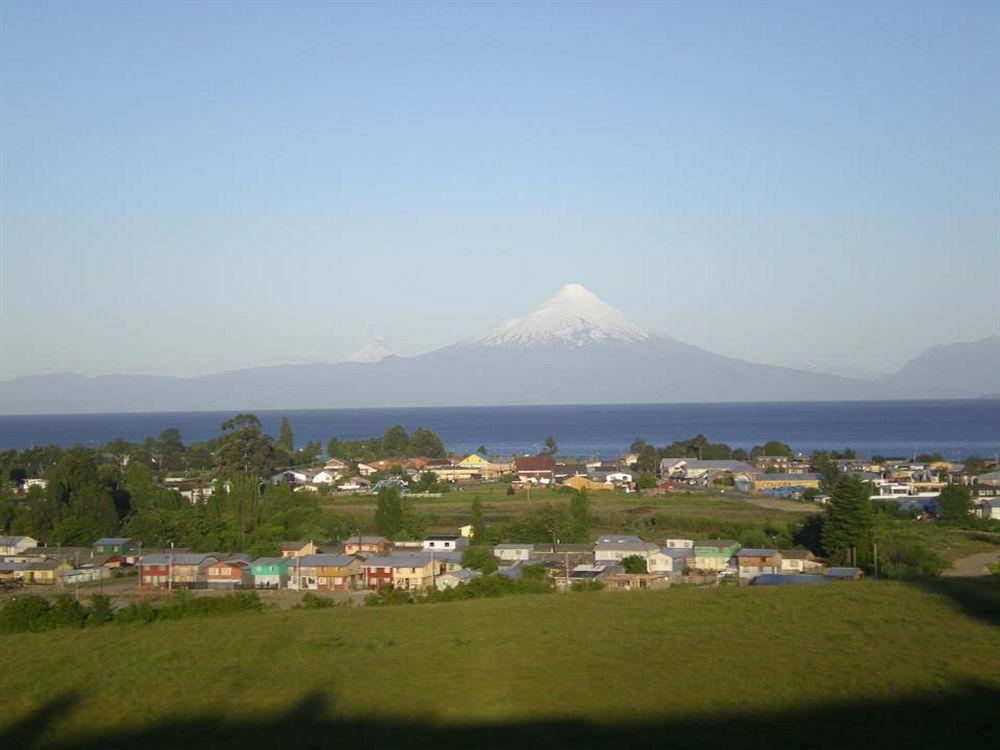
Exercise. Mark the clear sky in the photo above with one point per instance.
(191, 187)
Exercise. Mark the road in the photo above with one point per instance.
(973, 565)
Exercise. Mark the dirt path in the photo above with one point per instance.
(973, 565)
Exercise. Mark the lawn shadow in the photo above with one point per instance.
(967, 714)
(977, 597)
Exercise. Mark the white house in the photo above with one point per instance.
(292, 476)
(513, 552)
(451, 579)
(355, 484)
(327, 476)
(679, 543)
(617, 548)
(660, 562)
(990, 508)
(13, 545)
(445, 542)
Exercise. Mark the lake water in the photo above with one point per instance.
(896, 428)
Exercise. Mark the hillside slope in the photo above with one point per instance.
(749, 665)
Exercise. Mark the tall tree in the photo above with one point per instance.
(955, 503)
(579, 513)
(848, 521)
(478, 525)
(550, 448)
(389, 513)
(243, 449)
(286, 440)
(332, 447)
(395, 440)
(170, 449)
(423, 442)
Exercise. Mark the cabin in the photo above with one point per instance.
(113, 546)
(373, 545)
(325, 573)
(230, 574)
(181, 570)
(410, 572)
(755, 562)
(445, 542)
(270, 572)
(14, 545)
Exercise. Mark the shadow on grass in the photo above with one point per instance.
(978, 598)
(968, 714)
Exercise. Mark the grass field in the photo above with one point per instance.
(786, 667)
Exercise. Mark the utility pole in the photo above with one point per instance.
(875, 557)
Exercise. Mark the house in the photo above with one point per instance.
(182, 570)
(297, 549)
(327, 476)
(452, 579)
(13, 545)
(617, 548)
(466, 530)
(799, 561)
(678, 543)
(597, 571)
(513, 552)
(635, 581)
(366, 470)
(270, 572)
(292, 477)
(754, 562)
(113, 546)
(483, 466)
(661, 561)
(451, 473)
(694, 471)
(325, 573)
(785, 485)
(989, 509)
(445, 542)
(413, 572)
(336, 465)
(355, 484)
(45, 572)
(844, 574)
(564, 471)
(682, 558)
(714, 554)
(396, 483)
(375, 545)
(779, 463)
(11, 571)
(561, 555)
(535, 469)
(230, 574)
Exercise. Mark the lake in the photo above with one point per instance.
(896, 428)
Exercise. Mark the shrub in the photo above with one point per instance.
(25, 613)
(311, 601)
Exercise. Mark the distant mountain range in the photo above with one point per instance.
(575, 348)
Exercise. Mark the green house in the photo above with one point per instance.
(270, 572)
(714, 554)
(114, 545)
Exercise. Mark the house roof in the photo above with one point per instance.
(782, 579)
(398, 561)
(626, 546)
(717, 543)
(365, 540)
(112, 541)
(797, 554)
(465, 574)
(333, 561)
(535, 463)
(752, 552)
(10, 541)
(808, 477)
(514, 546)
(620, 539)
(178, 559)
(272, 561)
(734, 467)
(443, 538)
(293, 545)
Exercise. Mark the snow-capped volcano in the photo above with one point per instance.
(374, 352)
(575, 316)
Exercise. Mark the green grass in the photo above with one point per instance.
(687, 658)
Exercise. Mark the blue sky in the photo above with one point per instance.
(191, 187)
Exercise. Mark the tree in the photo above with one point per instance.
(955, 503)
(848, 521)
(550, 448)
(423, 442)
(772, 448)
(286, 440)
(395, 441)
(332, 447)
(646, 481)
(579, 512)
(389, 513)
(481, 449)
(974, 465)
(638, 446)
(649, 458)
(479, 558)
(478, 525)
(77, 491)
(243, 449)
(635, 564)
(170, 449)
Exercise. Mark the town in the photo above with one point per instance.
(359, 562)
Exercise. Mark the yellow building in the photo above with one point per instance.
(772, 482)
(582, 483)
